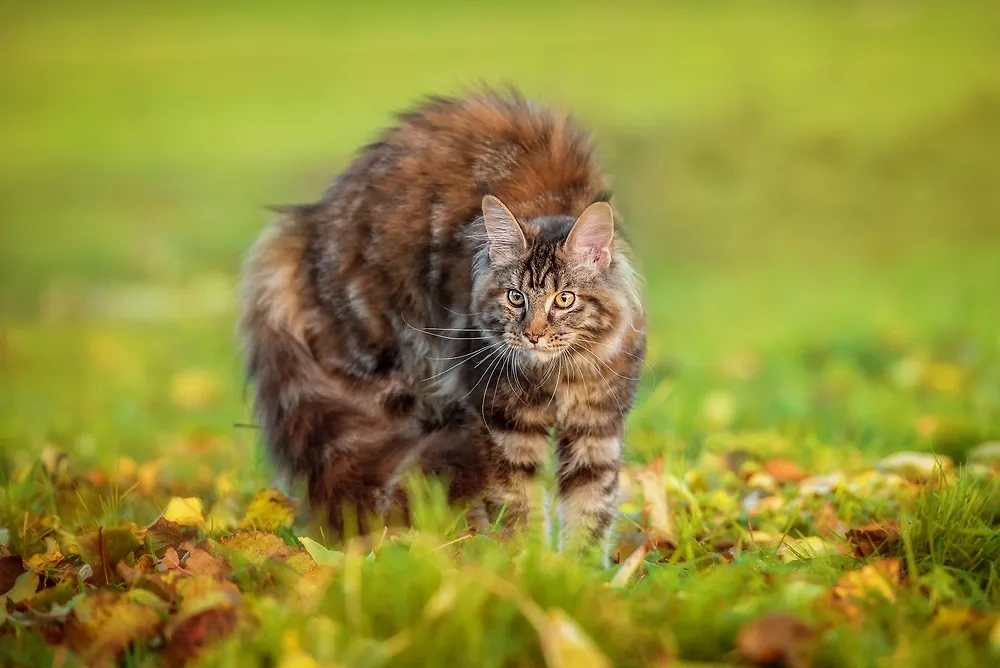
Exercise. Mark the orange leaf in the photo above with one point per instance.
(776, 639)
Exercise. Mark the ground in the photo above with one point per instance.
(811, 480)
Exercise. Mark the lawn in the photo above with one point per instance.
(812, 466)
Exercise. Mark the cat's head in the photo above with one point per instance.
(553, 284)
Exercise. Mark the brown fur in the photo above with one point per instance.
(379, 333)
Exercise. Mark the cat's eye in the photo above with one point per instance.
(515, 297)
(565, 299)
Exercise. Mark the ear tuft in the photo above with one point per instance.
(506, 238)
(592, 238)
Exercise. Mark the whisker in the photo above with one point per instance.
(446, 359)
(491, 355)
(468, 355)
(441, 336)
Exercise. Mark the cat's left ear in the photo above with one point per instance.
(506, 238)
(591, 240)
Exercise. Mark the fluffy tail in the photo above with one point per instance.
(334, 431)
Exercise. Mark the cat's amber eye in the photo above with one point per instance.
(565, 299)
(515, 297)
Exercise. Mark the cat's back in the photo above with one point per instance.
(401, 206)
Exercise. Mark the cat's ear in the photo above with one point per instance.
(505, 235)
(591, 240)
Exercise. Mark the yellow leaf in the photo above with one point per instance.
(565, 645)
(809, 547)
(292, 655)
(873, 580)
(187, 512)
(270, 510)
(24, 587)
(322, 555)
(656, 509)
(194, 388)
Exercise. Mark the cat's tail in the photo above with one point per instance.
(345, 436)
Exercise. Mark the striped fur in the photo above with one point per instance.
(380, 334)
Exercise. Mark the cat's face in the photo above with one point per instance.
(548, 286)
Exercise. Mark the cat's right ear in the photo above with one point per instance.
(506, 238)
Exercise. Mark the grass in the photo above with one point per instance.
(812, 194)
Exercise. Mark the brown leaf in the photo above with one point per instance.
(104, 548)
(655, 508)
(784, 471)
(103, 624)
(207, 611)
(198, 632)
(11, 568)
(875, 538)
(777, 639)
(162, 534)
(200, 562)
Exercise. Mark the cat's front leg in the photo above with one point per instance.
(514, 489)
(589, 464)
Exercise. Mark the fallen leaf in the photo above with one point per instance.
(270, 510)
(103, 624)
(875, 580)
(24, 587)
(322, 556)
(292, 654)
(565, 645)
(11, 568)
(185, 512)
(630, 566)
(776, 639)
(655, 508)
(875, 538)
(104, 548)
(810, 547)
(916, 466)
(200, 562)
(987, 454)
(207, 612)
(784, 471)
(256, 546)
(164, 533)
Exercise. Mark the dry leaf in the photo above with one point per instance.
(104, 548)
(200, 562)
(102, 625)
(875, 538)
(323, 556)
(24, 587)
(162, 534)
(565, 645)
(655, 509)
(877, 579)
(776, 639)
(784, 471)
(186, 512)
(257, 546)
(11, 568)
(270, 510)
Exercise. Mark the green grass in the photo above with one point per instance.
(812, 192)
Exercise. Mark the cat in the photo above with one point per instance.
(458, 296)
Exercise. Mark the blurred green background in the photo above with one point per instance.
(812, 188)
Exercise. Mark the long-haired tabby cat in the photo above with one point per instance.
(457, 296)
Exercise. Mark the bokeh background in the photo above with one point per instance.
(812, 189)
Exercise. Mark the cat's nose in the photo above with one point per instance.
(532, 337)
